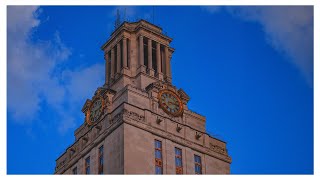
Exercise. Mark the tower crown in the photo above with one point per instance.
(136, 51)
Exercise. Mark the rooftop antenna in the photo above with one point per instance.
(117, 22)
(125, 13)
(152, 14)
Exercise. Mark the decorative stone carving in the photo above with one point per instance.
(178, 128)
(159, 120)
(116, 117)
(156, 85)
(184, 96)
(72, 149)
(103, 96)
(198, 135)
(133, 115)
(218, 149)
(98, 127)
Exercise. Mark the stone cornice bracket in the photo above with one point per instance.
(178, 128)
(159, 120)
(72, 150)
(108, 95)
(85, 139)
(98, 127)
(198, 135)
(184, 96)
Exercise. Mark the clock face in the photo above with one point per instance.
(95, 111)
(170, 102)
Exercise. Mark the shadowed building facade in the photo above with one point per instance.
(138, 122)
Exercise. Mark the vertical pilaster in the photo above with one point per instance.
(150, 70)
(118, 58)
(149, 54)
(106, 57)
(112, 64)
(141, 55)
(124, 53)
(159, 62)
(158, 58)
(167, 60)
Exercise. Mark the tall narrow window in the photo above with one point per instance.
(158, 156)
(178, 160)
(197, 164)
(75, 170)
(87, 165)
(100, 167)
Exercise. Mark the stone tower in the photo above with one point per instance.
(138, 122)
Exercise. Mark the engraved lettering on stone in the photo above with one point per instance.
(218, 149)
(133, 115)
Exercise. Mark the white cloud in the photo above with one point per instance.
(82, 83)
(288, 29)
(21, 20)
(36, 74)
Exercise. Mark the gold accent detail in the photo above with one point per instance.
(163, 105)
(94, 99)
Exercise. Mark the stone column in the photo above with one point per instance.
(163, 63)
(124, 53)
(158, 58)
(167, 60)
(159, 62)
(106, 56)
(150, 70)
(112, 63)
(141, 55)
(118, 58)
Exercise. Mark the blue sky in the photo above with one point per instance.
(249, 70)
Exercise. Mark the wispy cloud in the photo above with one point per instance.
(288, 29)
(37, 77)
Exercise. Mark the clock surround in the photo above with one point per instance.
(95, 110)
(170, 102)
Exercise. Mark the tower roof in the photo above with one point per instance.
(135, 27)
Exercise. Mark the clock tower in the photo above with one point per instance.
(138, 122)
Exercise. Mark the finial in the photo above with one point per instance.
(117, 22)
